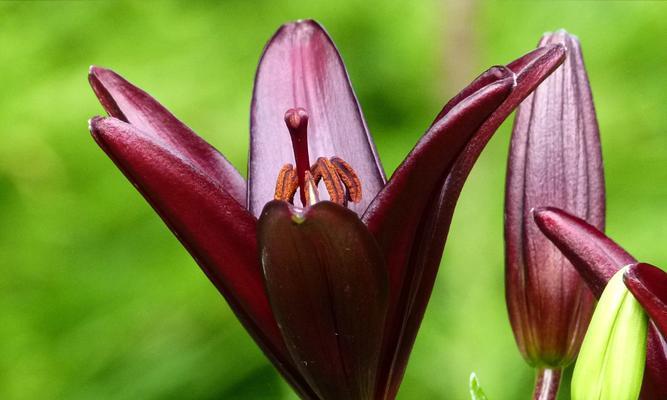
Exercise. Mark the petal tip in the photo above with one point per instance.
(97, 72)
(93, 123)
(301, 30)
(542, 215)
(304, 25)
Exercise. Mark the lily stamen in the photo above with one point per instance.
(287, 183)
(340, 180)
(312, 194)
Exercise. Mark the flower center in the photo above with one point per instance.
(340, 180)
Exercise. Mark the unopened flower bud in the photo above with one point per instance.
(611, 361)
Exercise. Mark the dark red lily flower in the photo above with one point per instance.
(334, 291)
(555, 159)
(597, 258)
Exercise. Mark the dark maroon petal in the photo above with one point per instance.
(301, 67)
(394, 215)
(654, 386)
(394, 212)
(128, 103)
(217, 231)
(328, 289)
(488, 77)
(554, 160)
(649, 286)
(596, 257)
(434, 222)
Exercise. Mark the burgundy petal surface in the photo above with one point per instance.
(394, 215)
(554, 159)
(654, 386)
(598, 258)
(128, 103)
(328, 289)
(649, 286)
(434, 222)
(217, 231)
(301, 67)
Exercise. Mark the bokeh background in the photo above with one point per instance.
(99, 301)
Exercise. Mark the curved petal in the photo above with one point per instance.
(128, 103)
(649, 285)
(327, 285)
(434, 222)
(654, 386)
(301, 67)
(598, 258)
(594, 255)
(217, 231)
(394, 216)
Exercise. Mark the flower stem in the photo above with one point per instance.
(547, 382)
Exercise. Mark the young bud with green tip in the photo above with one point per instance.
(612, 357)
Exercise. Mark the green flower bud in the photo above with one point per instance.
(611, 360)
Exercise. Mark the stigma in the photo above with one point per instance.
(340, 180)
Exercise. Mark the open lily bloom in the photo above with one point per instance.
(598, 259)
(333, 291)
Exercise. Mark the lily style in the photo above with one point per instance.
(327, 264)
(597, 258)
(555, 158)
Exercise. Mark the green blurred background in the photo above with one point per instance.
(99, 301)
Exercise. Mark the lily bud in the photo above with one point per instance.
(555, 159)
(611, 362)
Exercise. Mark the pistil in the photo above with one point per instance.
(296, 120)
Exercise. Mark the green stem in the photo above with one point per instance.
(547, 382)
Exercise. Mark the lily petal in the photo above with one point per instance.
(594, 255)
(128, 103)
(598, 258)
(394, 216)
(435, 221)
(649, 285)
(301, 67)
(328, 290)
(217, 231)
